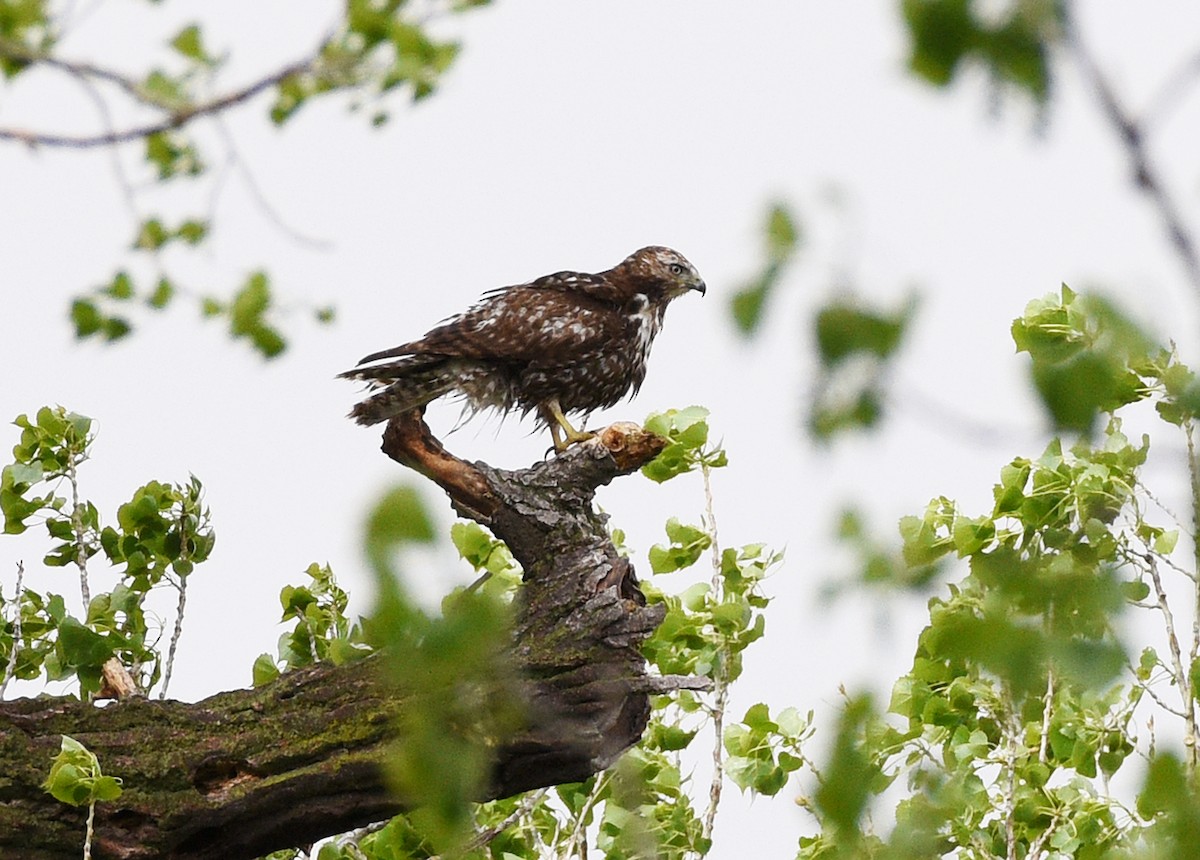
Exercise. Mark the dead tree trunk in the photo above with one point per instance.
(250, 771)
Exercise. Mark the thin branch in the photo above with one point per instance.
(179, 608)
(528, 802)
(1133, 138)
(11, 669)
(1173, 90)
(91, 830)
(1194, 482)
(1159, 700)
(177, 118)
(1011, 732)
(576, 844)
(80, 544)
(272, 214)
(1047, 702)
(1181, 676)
(720, 682)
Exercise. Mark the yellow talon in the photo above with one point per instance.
(560, 424)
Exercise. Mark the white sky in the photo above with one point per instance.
(567, 135)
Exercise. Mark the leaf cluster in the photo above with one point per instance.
(76, 778)
(687, 433)
(322, 631)
(160, 535)
(1012, 41)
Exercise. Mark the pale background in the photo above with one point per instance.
(567, 135)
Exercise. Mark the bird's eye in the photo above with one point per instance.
(676, 269)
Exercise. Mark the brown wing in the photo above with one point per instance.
(544, 322)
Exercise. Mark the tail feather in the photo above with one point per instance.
(394, 352)
(399, 387)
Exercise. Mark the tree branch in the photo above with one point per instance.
(1132, 136)
(176, 118)
(247, 772)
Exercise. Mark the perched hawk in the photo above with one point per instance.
(566, 343)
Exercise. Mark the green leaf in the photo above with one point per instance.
(151, 236)
(162, 295)
(748, 304)
(75, 777)
(189, 43)
(264, 670)
(399, 517)
(844, 329)
(85, 317)
(82, 646)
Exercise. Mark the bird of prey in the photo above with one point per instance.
(567, 343)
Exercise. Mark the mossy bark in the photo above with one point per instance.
(247, 772)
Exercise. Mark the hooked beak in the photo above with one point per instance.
(699, 287)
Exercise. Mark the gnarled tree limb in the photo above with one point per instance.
(250, 771)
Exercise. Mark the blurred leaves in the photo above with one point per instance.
(1085, 357)
(377, 48)
(783, 239)
(855, 345)
(1012, 40)
(454, 670)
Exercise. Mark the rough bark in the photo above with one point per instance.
(247, 772)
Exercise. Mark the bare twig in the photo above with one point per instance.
(91, 829)
(1173, 90)
(176, 119)
(1194, 481)
(720, 680)
(260, 198)
(81, 547)
(576, 845)
(1047, 703)
(528, 802)
(1132, 136)
(1012, 732)
(178, 631)
(11, 669)
(1181, 675)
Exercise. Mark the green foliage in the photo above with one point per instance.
(75, 777)
(1086, 357)
(25, 23)
(709, 625)
(322, 630)
(189, 42)
(1021, 705)
(763, 752)
(489, 557)
(169, 153)
(160, 535)
(648, 813)
(782, 241)
(453, 668)
(878, 564)
(855, 346)
(687, 432)
(1012, 41)
(376, 49)
(381, 47)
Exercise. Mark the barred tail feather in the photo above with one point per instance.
(399, 387)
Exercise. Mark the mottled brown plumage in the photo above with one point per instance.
(567, 343)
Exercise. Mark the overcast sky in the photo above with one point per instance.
(566, 136)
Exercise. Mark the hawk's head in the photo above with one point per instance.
(659, 273)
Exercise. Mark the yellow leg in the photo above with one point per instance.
(559, 423)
